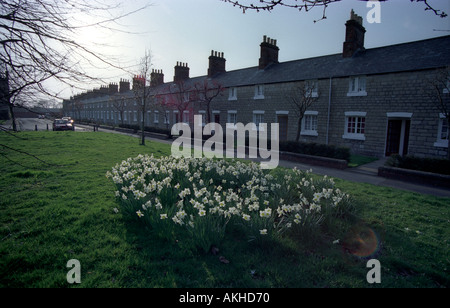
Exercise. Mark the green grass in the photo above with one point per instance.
(358, 160)
(50, 214)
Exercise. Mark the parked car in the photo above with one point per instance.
(60, 124)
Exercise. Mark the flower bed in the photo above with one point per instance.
(195, 199)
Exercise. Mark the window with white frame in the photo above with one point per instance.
(443, 132)
(156, 117)
(135, 116)
(232, 117)
(355, 125)
(202, 113)
(258, 118)
(357, 86)
(309, 123)
(259, 91)
(232, 94)
(312, 88)
(186, 116)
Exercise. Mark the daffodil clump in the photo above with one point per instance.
(200, 197)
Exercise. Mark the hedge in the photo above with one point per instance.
(434, 165)
(315, 149)
(147, 129)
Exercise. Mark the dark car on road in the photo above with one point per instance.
(60, 124)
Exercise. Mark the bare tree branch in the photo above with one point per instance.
(142, 92)
(206, 92)
(301, 98)
(307, 5)
(37, 44)
(437, 89)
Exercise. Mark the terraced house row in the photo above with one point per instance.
(378, 101)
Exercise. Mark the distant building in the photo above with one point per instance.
(370, 100)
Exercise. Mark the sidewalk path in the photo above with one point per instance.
(369, 174)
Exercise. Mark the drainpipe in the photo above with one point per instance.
(329, 111)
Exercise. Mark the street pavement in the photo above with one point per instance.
(32, 124)
(367, 173)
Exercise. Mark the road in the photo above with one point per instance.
(30, 124)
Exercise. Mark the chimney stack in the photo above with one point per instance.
(124, 86)
(216, 63)
(181, 72)
(113, 88)
(156, 78)
(138, 82)
(354, 36)
(269, 52)
(104, 90)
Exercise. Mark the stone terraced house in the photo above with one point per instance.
(374, 101)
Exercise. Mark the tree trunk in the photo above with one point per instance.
(143, 128)
(299, 128)
(13, 117)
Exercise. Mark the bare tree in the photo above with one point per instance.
(437, 88)
(180, 97)
(119, 104)
(37, 41)
(143, 94)
(307, 5)
(79, 107)
(206, 92)
(301, 98)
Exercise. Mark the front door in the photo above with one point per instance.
(283, 127)
(397, 137)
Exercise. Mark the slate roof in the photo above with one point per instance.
(412, 56)
(418, 55)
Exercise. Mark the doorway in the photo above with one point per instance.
(397, 139)
(217, 118)
(283, 127)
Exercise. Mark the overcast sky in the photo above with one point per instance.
(187, 31)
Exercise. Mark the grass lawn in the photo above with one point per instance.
(358, 160)
(50, 214)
